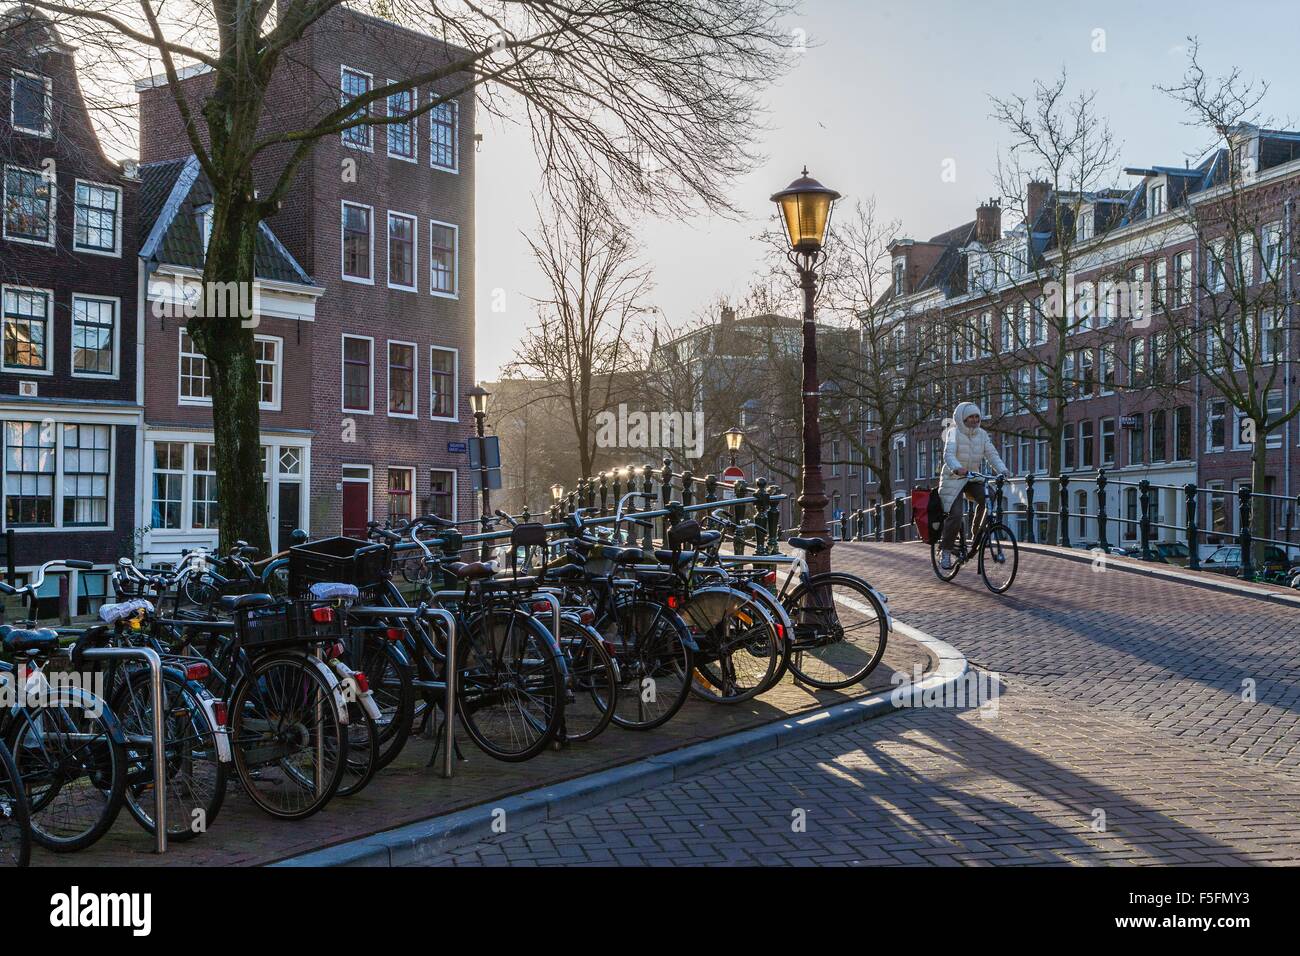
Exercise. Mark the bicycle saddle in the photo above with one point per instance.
(243, 602)
(810, 545)
(20, 640)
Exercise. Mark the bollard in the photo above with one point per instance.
(1064, 509)
(1029, 508)
(1144, 527)
(1102, 540)
(1193, 547)
(1244, 537)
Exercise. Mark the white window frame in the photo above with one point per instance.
(369, 146)
(455, 488)
(455, 260)
(49, 331)
(414, 125)
(455, 384)
(278, 381)
(343, 389)
(415, 250)
(454, 169)
(415, 380)
(48, 131)
(117, 332)
(116, 251)
(58, 474)
(343, 205)
(53, 219)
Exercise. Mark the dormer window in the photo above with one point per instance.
(1155, 200)
(900, 276)
(1087, 225)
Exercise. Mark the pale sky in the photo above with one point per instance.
(886, 92)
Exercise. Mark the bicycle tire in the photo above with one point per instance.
(822, 613)
(995, 542)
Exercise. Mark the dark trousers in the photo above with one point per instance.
(973, 490)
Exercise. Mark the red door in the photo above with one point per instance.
(356, 508)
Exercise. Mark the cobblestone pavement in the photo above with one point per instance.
(1126, 733)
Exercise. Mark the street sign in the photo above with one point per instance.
(490, 445)
(457, 447)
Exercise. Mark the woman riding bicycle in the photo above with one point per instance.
(965, 447)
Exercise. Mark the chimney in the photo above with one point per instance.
(1035, 199)
(988, 222)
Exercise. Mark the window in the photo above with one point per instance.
(94, 332)
(1215, 435)
(87, 453)
(358, 354)
(442, 383)
(401, 251)
(26, 330)
(267, 352)
(30, 464)
(168, 484)
(203, 510)
(1137, 362)
(443, 256)
(442, 493)
(1108, 441)
(1183, 433)
(402, 136)
(358, 243)
(401, 379)
(95, 222)
(444, 135)
(354, 84)
(1137, 441)
(29, 103)
(401, 500)
(196, 387)
(1158, 435)
(28, 206)
(1155, 200)
(1182, 278)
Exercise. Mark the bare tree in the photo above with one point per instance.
(581, 351)
(657, 97)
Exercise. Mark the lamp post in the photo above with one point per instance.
(478, 401)
(806, 207)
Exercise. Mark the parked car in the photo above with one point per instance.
(1164, 552)
(1227, 560)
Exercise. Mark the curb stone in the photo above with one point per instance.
(416, 842)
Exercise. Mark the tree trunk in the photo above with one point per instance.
(227, 342)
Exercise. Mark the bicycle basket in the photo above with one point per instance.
(342, 560)
(286, 623)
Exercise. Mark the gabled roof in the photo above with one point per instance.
(170, 194)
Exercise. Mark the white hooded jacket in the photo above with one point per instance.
(965, 448)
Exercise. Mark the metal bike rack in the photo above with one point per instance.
(149, 656)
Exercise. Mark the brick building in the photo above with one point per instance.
(382, 219)
(68, 397)
(1138, 408)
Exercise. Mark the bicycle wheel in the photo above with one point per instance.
(739, 648)
(651, 646)
(289, 746)
(73, 768)
(510, 692)
(840, 630)
(15, 827)
(999, 558)
(958, 548)
(196, 777)
(391, 681)
(591, 687)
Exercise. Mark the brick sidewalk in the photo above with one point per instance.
(406, 791)
(1123, 738)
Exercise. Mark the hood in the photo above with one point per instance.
(962, 410)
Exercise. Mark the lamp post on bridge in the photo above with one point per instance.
(806, 207)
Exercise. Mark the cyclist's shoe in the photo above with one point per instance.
(945, 561)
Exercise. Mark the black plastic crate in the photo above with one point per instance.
(287, 623)
(343, 560)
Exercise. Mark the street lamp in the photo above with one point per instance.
(806, 207)
(478, 402)
(735, 438)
